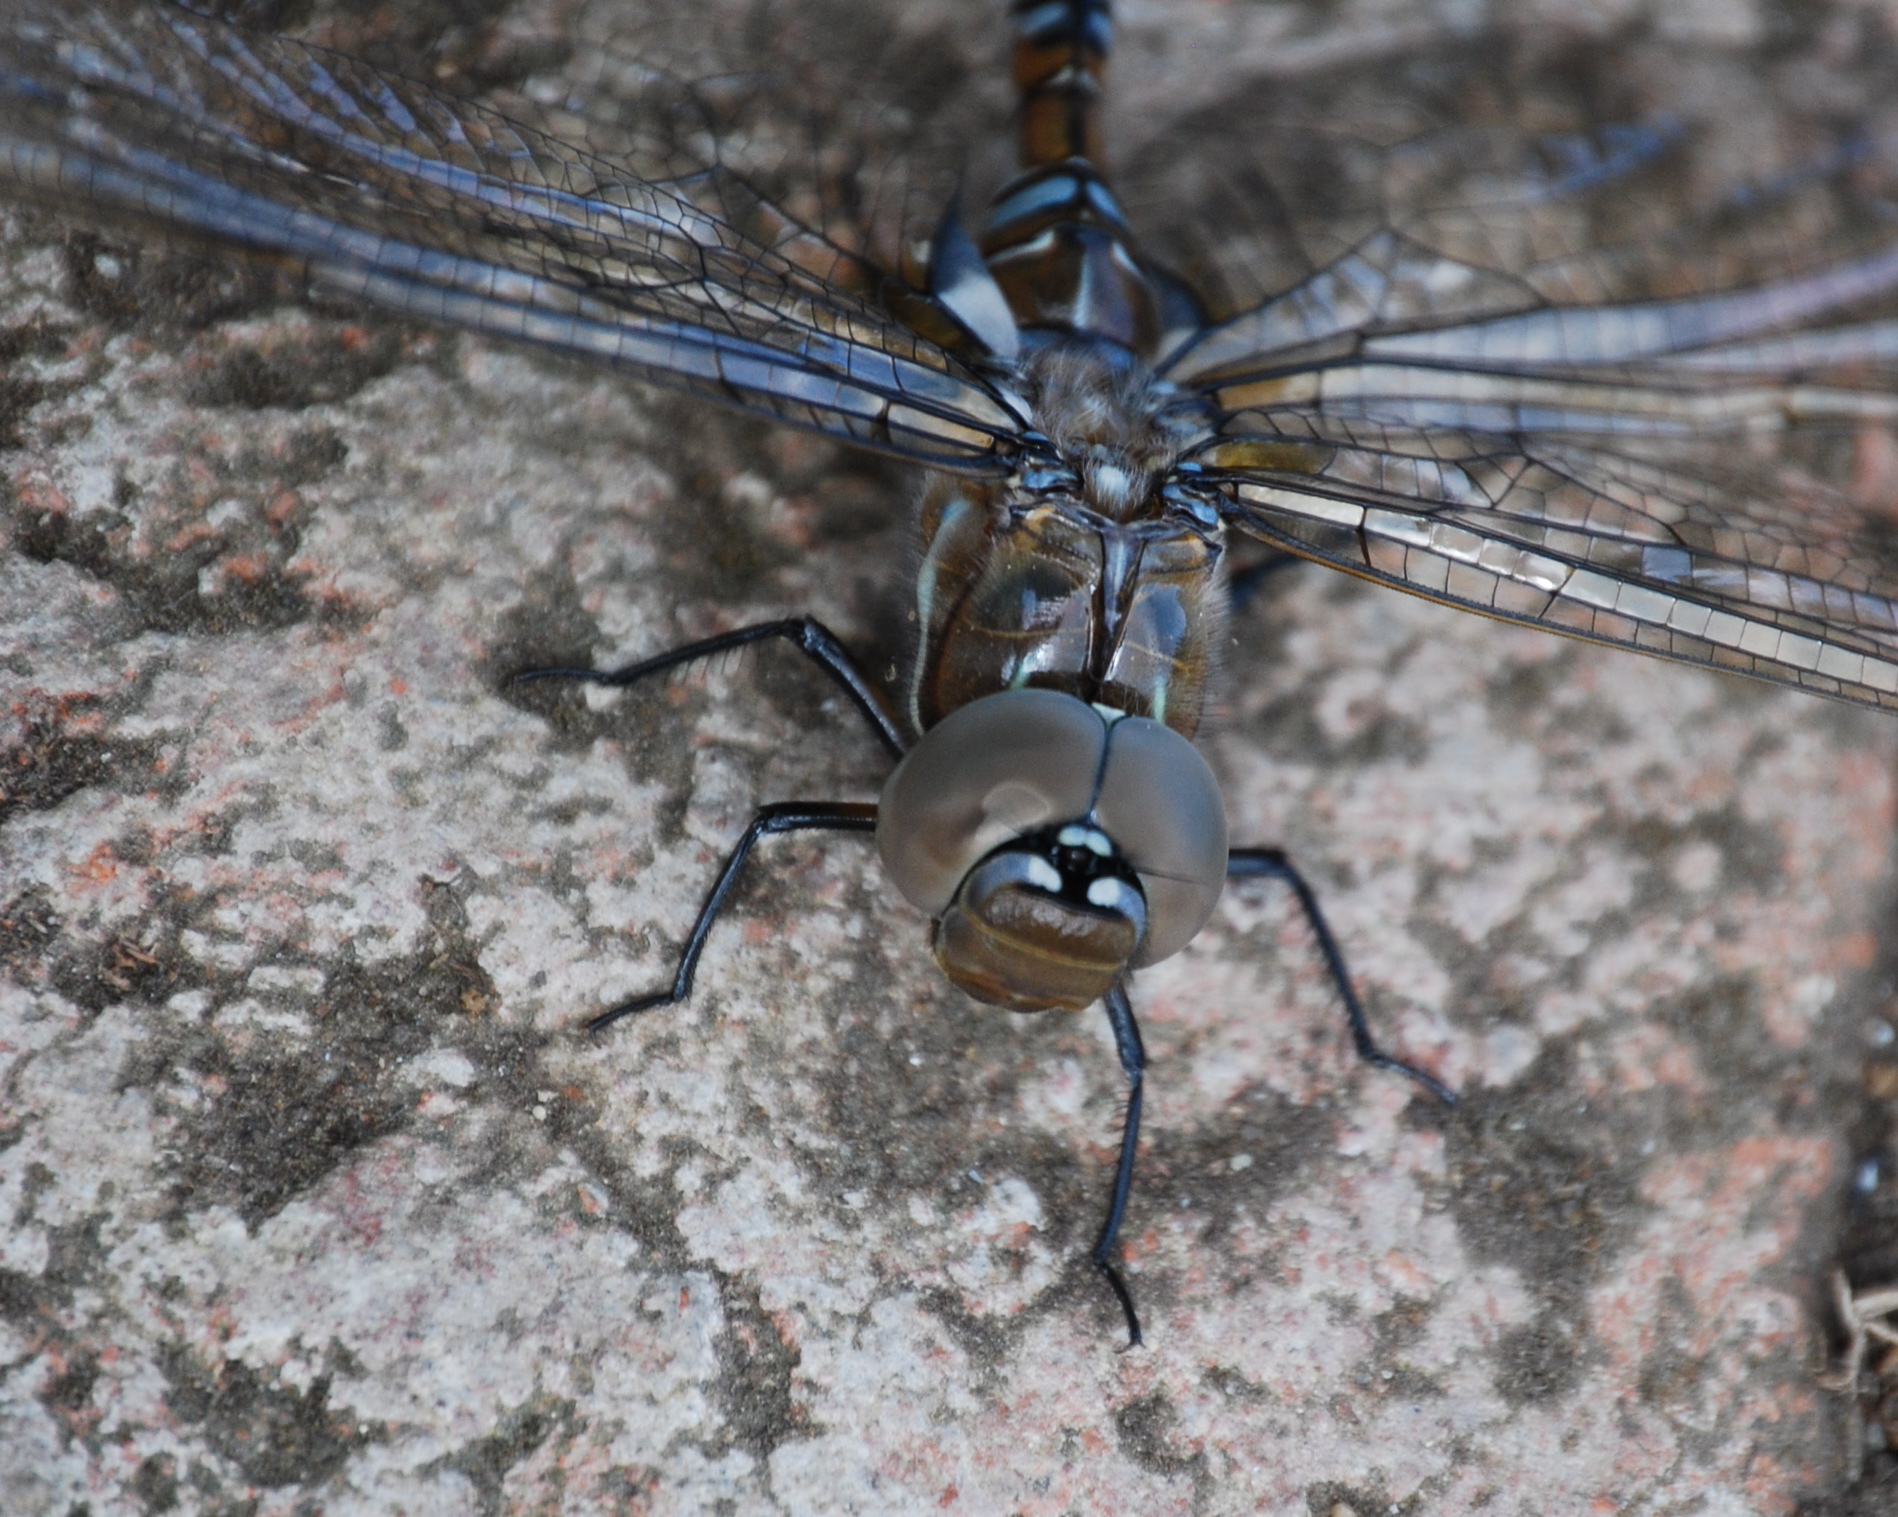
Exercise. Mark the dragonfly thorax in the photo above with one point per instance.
(1115, 428)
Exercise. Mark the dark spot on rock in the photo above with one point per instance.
(37, 1181)
(19, 1295)
(18, 396)
(317, 365)
(71, 1388)
(1288, 725)
(1671, 1380)
(518, 1432)
(156, 1484)
(60, 752)
(1751, 853)
(1540, 1192)
(101, 277)
(279, 1119)
(74, 1257)
(309, 455)
(548, 628)
(1402, 1324)
(1875, 1494)
(122, 969)
(1532, 1191)
(208, 548)
(1520, 695)
(1324, 1499)
(1389, 1373)
(1144, 1430)
(983, 1338)
(1721, 1019)
(392, 736)
(95, 975)
(39, 1308)
(167, 594)
(755, 1387)
(1276, 1141)
(28, 926)
(1235, 1387)
(36, 337)
(277, 1435)
(53, 537)
(316, 857)
(1539, 1361)
(947, 1081)
(727, 542)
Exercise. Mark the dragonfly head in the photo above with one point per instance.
(1057, 846)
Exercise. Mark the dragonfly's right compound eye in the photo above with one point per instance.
(1056, 846)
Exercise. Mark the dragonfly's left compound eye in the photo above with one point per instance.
(1056, 847)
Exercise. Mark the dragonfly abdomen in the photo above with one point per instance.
(1057, 241)
(1061, 49)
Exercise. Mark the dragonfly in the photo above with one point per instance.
(1599, 449)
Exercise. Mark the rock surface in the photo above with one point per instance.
(318, 1200)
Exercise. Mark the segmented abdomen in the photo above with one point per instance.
(1061, 50)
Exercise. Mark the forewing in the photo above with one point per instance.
(1601, 379)
(1716, 564)
(388, 191)
(860, 123)
(1570, 173)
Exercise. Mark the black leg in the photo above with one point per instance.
(1271, 863)
(1133, 1063)
(789, 816)
(811, 637)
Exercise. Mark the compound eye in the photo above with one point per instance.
(1161, 805)
(984, 775)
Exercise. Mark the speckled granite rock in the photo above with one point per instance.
(317, 1201)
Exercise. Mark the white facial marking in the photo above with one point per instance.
(1044, 876)
(1107, 894)
(1075, 835)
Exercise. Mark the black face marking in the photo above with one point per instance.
(1082, 869)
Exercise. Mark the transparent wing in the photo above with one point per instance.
(390, 192)
(862, 123)
(1575, 172)
(1716, 564)
(1628, 473)
(1603, 379)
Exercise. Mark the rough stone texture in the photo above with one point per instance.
(317, 1202)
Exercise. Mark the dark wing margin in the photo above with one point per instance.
(381, 189)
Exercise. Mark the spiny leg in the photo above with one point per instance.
(787, 816)
(1271, 863)
(811, 638)
(1133, 1063)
